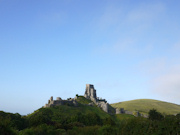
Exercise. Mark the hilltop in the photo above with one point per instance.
(139, 107)
(144, 105)
(90, 94)
(89, 114)
(69, 119)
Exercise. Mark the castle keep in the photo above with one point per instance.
(90, 93)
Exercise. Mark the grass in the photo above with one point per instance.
(83, 100)
(144, 105)
(124, 116)
(67, 110)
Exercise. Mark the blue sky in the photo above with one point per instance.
(128, 49)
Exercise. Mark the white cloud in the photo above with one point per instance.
(168, 86)
(176, 47)
(128, 46)
(164, 78)
(146, 12)
(154, 66)
(119, 47)
(109, 17)
(159, 64)
(118, 16)
(128, 28)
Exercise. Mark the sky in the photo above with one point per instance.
(127, 49)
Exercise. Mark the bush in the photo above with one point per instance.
(107, 130)
(91, 119)
(40, 130)
(108, 121)
(154, 115)
(43, 116)
(5, 127)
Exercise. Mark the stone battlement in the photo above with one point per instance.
(59, 101)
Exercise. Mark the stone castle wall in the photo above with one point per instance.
(59, 101)
(90, 93)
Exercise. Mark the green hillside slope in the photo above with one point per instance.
(88, 119)
(69, 110)
(144, 105)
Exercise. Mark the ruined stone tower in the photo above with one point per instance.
(90, 93)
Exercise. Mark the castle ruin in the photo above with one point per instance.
(59, 101)
(90, 93)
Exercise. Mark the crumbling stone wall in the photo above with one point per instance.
(104, 106)
(90, 93)
(59, 101)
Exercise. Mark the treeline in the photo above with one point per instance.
(46, 122)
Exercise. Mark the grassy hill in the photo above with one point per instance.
(63, 112)
(85, 119)
(69, 111)
(144, 105)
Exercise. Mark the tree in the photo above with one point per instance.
(109, 121)
(154, 115)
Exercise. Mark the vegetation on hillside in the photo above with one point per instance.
(84, 119)
(83, 100)
(144, 105)
(45, 122)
